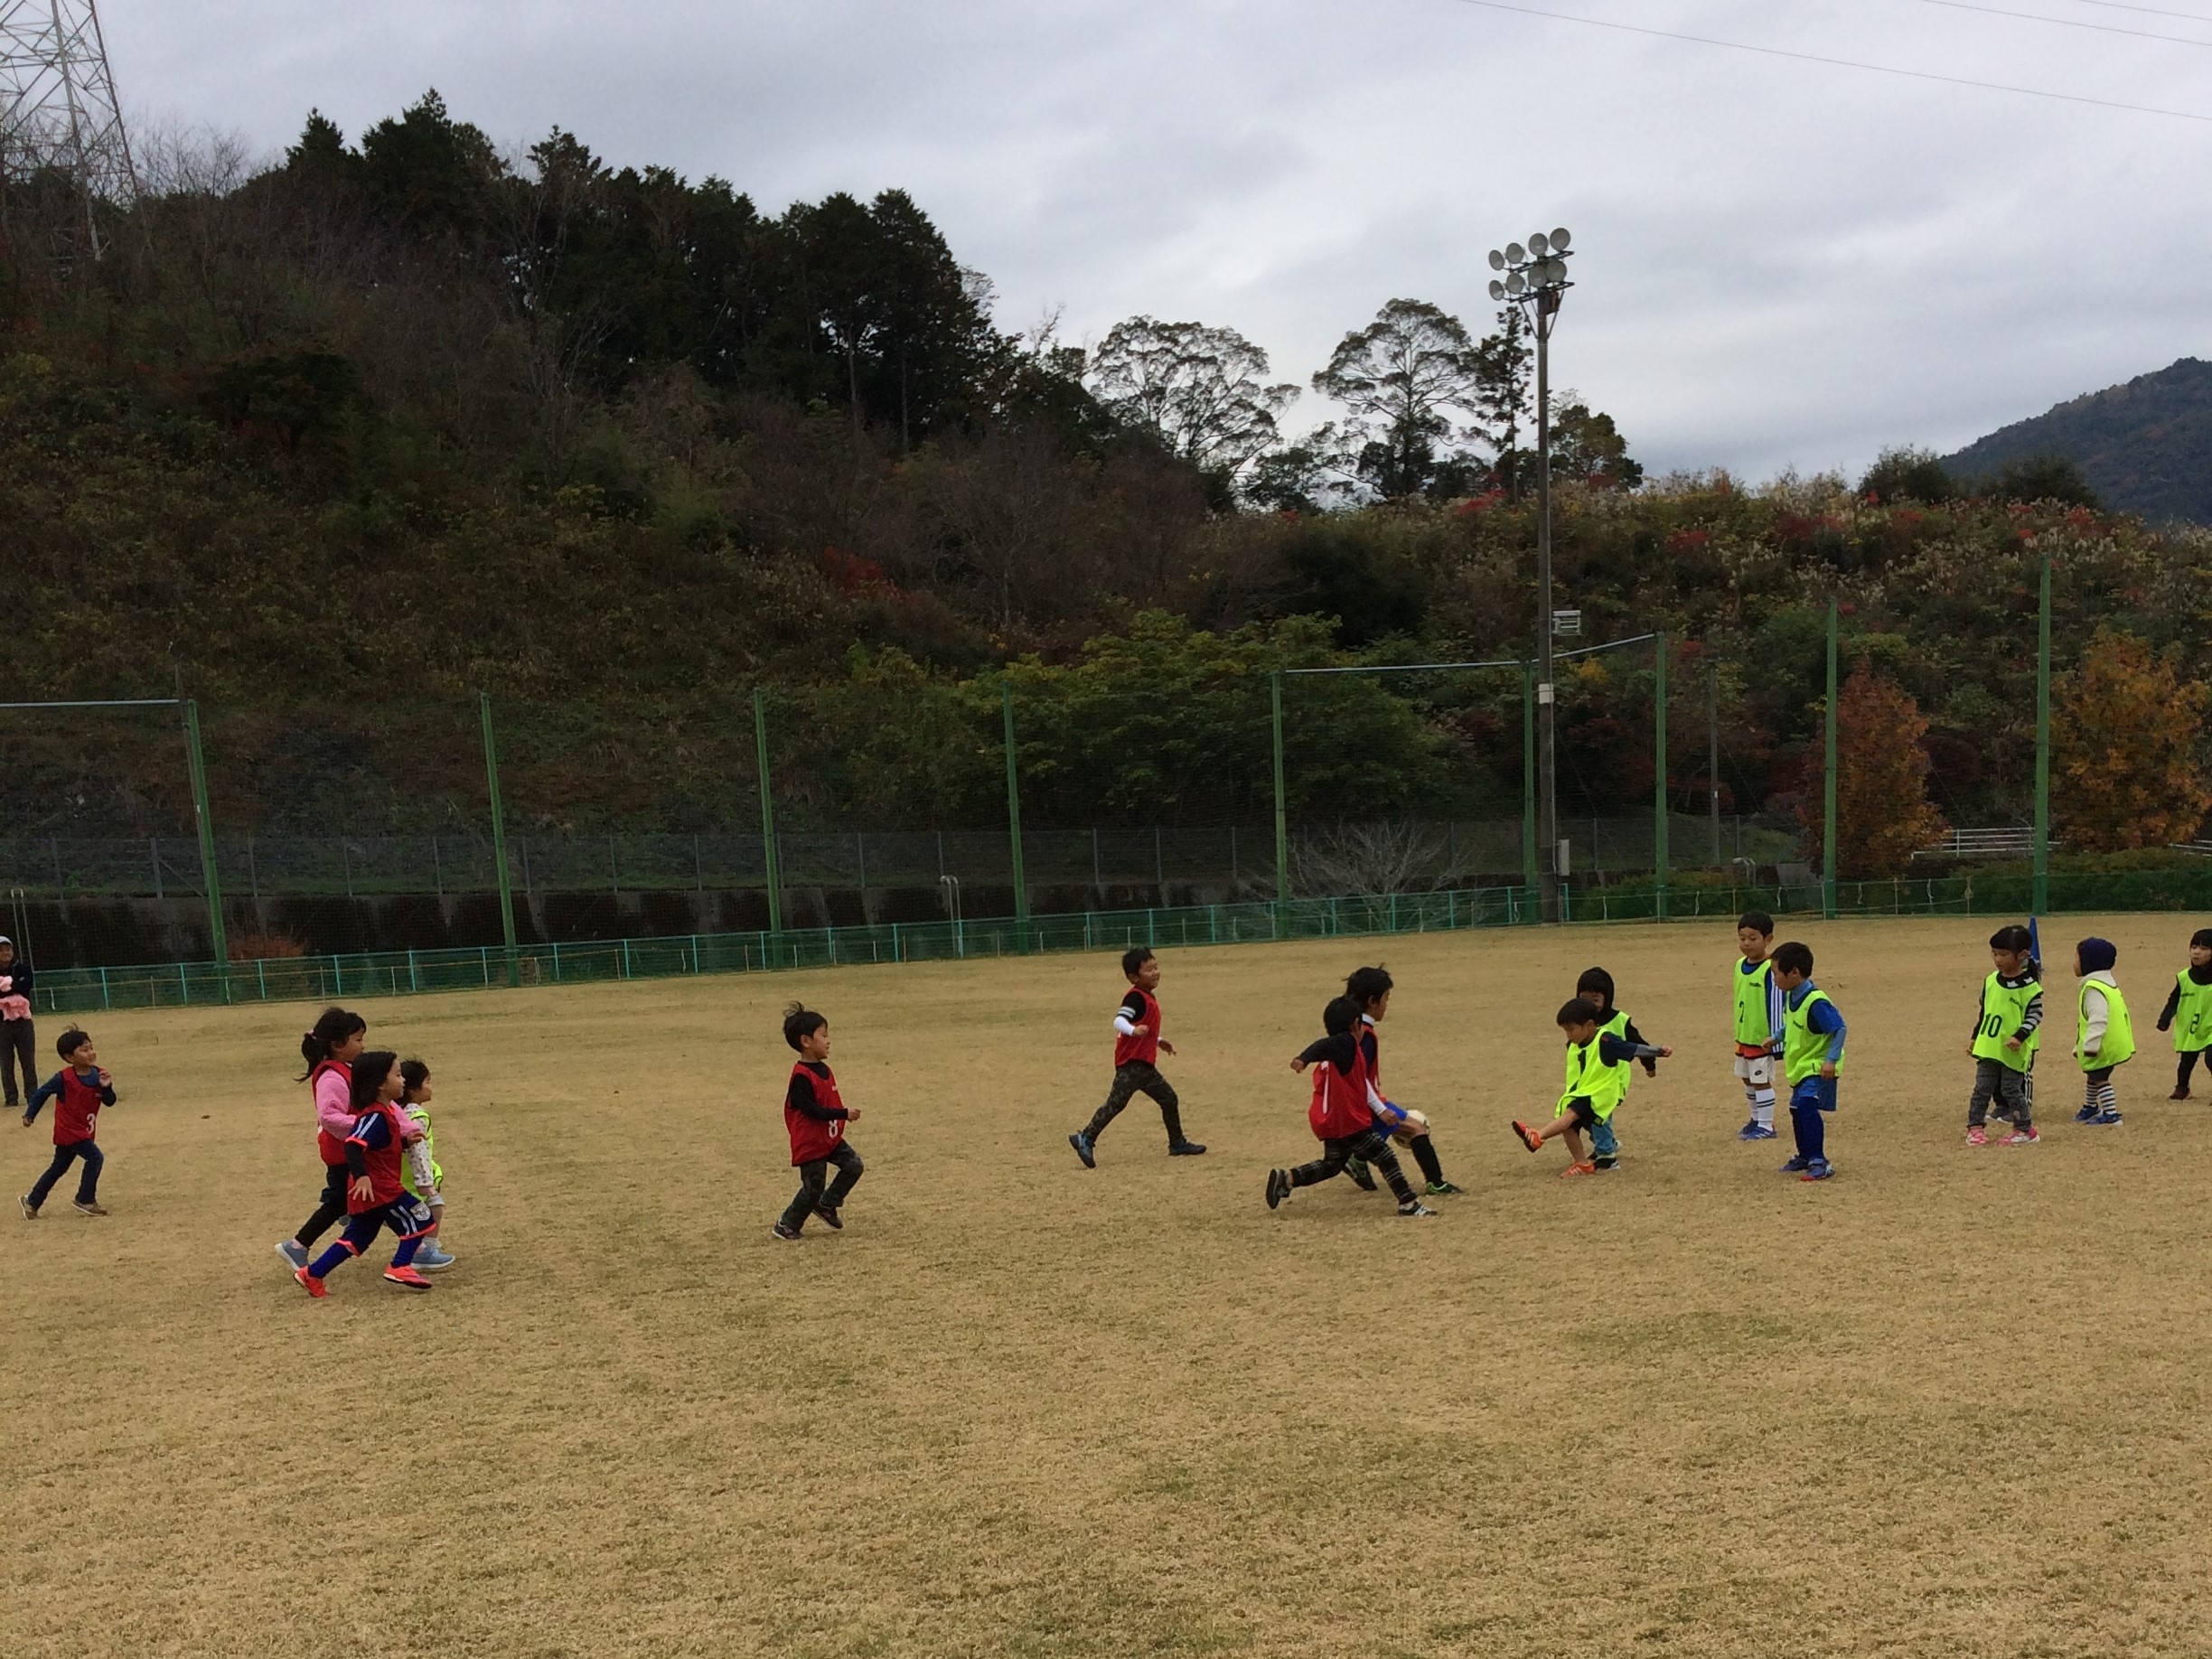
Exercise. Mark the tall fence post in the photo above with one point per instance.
(1014, 834)
(1828, 794)
(768, 835)
(1659, 783)
(2043, 743)
(216, 936)
(1528, 774)
(499, 844)
(1282, 814)
(1712, 721)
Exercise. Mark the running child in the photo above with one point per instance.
(330, 1050)
(78, 1089)
(1813, 1035)
(2187, 1013)
(1597, 1080)
(2106, 1040)
(815, 1118)
(1137, 1046)
(376, 1194)
(1595, 985)
(1371, 989)
(2006, 1034)
(1340, 1116)
(1758, 1023)
(423, 1178)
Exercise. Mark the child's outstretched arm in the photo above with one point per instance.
(51, 1089)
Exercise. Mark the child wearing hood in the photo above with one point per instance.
(2107, 1038)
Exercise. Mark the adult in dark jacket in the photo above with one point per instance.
(18, 1041)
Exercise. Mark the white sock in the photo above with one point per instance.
(1763, 1108)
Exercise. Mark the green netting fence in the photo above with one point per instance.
(399, 973)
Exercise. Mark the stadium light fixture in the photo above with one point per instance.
(1536, 279)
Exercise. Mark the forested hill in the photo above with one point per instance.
(2145, 447)
(336, 443)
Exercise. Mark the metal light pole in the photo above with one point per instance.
(1535, 278)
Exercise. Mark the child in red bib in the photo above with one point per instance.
(330, 1049)
(1137, 1046)
(1341, 1115)
(815, 1119)
(375, 1193)
(78, 1089)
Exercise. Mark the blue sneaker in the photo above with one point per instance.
(430, 1258)
(1818, 1170)
(1755, 1130)
(2087, 1114)
(293, 1252)
(1082, 1143)
(2105, 1118)
(1796, 1166)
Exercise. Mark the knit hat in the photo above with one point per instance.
(2097, 955)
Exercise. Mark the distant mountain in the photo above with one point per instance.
(2146, 446)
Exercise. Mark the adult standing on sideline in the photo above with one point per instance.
(17, 1039)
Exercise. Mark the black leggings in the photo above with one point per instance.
(330, 1211)
(1336, 1154)
(2187, 1067)
(812, 1198)
(88, 1183)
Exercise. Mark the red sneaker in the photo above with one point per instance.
(1578, 1169)
(309, 1282)
(1976, 1136)
(406, 1276)
(1529, 1137)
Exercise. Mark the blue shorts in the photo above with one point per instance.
(1817, 1092)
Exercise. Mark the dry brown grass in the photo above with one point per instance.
(1949, 1404)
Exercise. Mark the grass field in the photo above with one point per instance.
(1950, 1403)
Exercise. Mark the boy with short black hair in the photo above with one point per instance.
(1371, 989)
(1813, 1034)
(1340, 1116)
(1597, 1080)
(78, 1089)
(2187, 1013)
(1137, 1046)
(1758, 1022)
(2006, 1034)
(815, 1119)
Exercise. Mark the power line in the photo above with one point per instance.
(2066, 22)
(2150, 11)
(1811, 57)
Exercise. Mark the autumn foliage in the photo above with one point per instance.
(2125, 730)
(1883, 771)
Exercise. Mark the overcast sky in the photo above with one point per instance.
(1784, 264)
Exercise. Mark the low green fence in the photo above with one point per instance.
(399, 973)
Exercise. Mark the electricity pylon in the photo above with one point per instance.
(58, 109)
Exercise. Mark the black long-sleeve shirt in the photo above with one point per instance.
(2197, 976)
(1340, 1050)
(801, 1098)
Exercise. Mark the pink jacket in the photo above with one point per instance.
(333, 1105)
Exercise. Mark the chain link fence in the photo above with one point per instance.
(1410, 857)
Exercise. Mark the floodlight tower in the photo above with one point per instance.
(1536, 279)
(58, 109)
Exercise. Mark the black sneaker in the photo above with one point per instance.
(1277, 1187)
(827, 1211)
(1082, 1143)
(1605, 1163)
(786, 1233)
(1442, 1189)
(1362, 1177)
(1417, 1211)
(1796, 1166)
(1184, 1148)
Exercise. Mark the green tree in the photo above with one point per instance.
(1202, 392)
(1908, 474)
(1401, 377)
